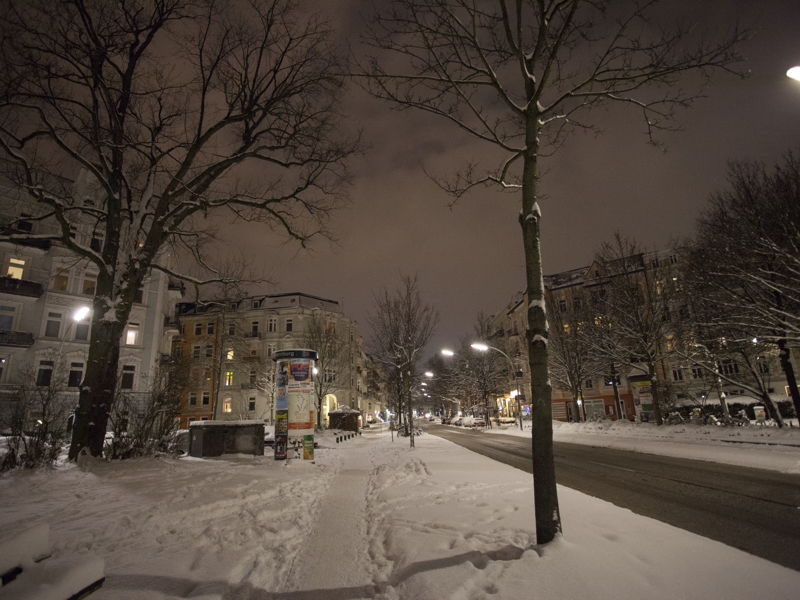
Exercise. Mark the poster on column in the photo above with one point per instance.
(295, 370)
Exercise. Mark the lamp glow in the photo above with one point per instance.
(794, 73)
(81, 313)
(448, 352)
(481, 347)
(428, 374)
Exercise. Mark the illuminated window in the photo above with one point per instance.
(16, 268)
(227, 405)
(61, 280)
(229, 354)
(229, 378)
(132, 335)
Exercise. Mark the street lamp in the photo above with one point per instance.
(794, 73)
(485, 348)
(447, 352)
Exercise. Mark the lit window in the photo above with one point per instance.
(132, 335)
(16, 268)
(227, 405)
(229, 354)
(229, 378)
(61, 280)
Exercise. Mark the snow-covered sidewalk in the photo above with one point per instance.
(370, 519)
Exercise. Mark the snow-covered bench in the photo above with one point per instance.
(26, 575)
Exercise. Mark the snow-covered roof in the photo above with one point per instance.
(344, 409)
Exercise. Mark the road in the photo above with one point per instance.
(751, 509)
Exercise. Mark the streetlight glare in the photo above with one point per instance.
(481, 347)
(81, 313)
(428, 374)
(794, 73)
(448, 352)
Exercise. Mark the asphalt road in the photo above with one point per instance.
(751, 509)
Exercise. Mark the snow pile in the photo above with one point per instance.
(369, 519)
(758, 447)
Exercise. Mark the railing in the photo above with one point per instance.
(22, 287)
(254, 334)
(16, 338)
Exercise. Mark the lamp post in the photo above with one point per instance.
(79, 315)
(485, 348)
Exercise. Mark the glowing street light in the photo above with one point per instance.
(481, 347)
(794, 73)
(428, 374)
(447, 352)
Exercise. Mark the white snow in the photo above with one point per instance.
(370, 518)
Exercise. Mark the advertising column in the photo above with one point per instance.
(294, 400)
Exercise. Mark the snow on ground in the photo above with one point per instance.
(370, 518)
(755, 446)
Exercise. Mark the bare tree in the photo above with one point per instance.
(401, 327)
(335, 355)
(745, 257)
(519, 76)
(634, 319)
(173, 112)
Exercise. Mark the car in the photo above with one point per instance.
(458, 422)
(431, 418)
(478, 423)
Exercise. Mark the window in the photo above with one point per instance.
(206, 398)
(61, 280)
(229, 354)
(196, 351)
(96, 242)
(232, 329)
(697, 372)
(82, 331)
(7, 318)
(288, 325)
(16, 268)
(89, 284)
(132, 335)
(253, 350)
(253, 376)
(138, 296)
(352, 335)
(677, 374)
(193, 399)
(562, 305)
(75, 375)
(251, 404)
(330, 328)
(763, 365)
(588, 384)
(209, 350)
(673, 258)
(229, 378)
(227, 405)
(207, 375)
(256, 304)
(45, 374)
(576, 304)
(128, 375)
(254, 328)
(270, 350)
(729, 367)
(210, 329)
(191, 419)
(177, 350)
(272, 325)
(198, 328)
(53, 325)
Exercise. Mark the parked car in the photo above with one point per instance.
(478, 423)
(458, 421)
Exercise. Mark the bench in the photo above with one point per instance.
(29, 573)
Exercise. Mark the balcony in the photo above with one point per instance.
(20, 339)
(21, 287)
(254, 335)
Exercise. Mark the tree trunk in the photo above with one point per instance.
(788, 370)
(95, 403)
(548, 516)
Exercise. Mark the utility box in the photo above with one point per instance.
(344, 418)
(215, 438)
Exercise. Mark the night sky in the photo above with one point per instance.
(469, 258)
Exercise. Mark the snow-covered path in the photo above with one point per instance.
(371, 519)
